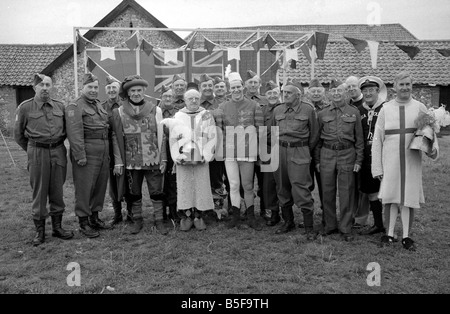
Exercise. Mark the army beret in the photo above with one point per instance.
(37, 78)
(218, 80)
(295, 83)
(315, 83)
(164, 89)
(335, 83)
(271, 85)
(251, 74)
(177, 77)
(89, 78)
(205, 77)
(110, 80)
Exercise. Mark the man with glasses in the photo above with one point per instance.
(338, 156)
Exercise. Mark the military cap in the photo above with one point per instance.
(295, 83)
(192, 85)
(177, 77)
(315, 83)
(110, 80)
(37, 78)
(251, 74)
(164, 89)
(89, 78)
(218, 80)
(373, 81)
(130, 81)
(335, 83)
(205, 77)
(271, 85)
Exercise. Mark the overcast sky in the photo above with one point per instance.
(52, 21)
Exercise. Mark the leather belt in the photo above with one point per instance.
(337, 146)
(96, 135)
(294, 144)
(45, 145)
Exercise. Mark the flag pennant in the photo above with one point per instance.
(81, 43)
(444, 52)
(307, 52)
(132, 42)
(209, 45)
(191, 42)
(359, 44)
(146, 47)
(291, 54)
(293, 64)
(171, 55)
(373, 47)
(258, 44)
(107, 53)
(321, 44)
(90, 64)
(412, 51)
(270, 41)
(234, 53)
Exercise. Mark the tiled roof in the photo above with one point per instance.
(387, 32)
(18, 63)
(342, 60)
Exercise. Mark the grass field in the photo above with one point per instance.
(218, 260)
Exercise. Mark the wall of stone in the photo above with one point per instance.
(63, 77)
(7, 109)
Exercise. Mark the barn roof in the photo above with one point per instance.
(18, 63)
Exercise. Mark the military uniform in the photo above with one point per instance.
(87, 131)
(298, 135)
(340, 147)
(40, 131)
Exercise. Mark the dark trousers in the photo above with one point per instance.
(47, 169)
(91, 180)
(336, 172)
(270, 191)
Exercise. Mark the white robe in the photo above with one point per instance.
(401, 167)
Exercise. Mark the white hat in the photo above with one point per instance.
(234, 76)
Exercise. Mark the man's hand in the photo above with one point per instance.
(163, 166)
(82, 162)
(118, 170)
(318, 167)
(356, 168)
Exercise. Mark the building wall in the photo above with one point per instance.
(63, 77)
(8, 105)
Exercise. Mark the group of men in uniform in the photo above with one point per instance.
(122, 139)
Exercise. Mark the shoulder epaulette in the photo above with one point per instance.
(25, 101)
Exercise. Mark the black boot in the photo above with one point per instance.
(86, 229)
(39, 238)
(376, 207)
(129, 212)
(96, 223)
(137, 226)
(118, 218)
(274, 218)
(58, 231)
(288, 217)
(173, 214)
(251, 220)
(308, 221)
(236, 218)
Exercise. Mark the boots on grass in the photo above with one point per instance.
(173, 214)
(251, 220)
(129, 212)
(376, 207)
(118, 218)
(137, 225)
(86, 229)
(235, 218)
(274, 218)
(39, 238)
(199, 223)
(288, 217)
(96, 223)
(58, 231)
(308, 221)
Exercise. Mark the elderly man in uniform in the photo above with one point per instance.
(179, 86)
(374, 92)
(40, 130)
(233, 116)
(141, 150)
(298, 136)
(338, 156)
(87, 131)
(316, 93)
(116, 184)
(170, 179)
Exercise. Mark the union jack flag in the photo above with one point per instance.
(211, 64)
(164, 72)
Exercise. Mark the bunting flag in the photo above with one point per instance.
(234, 53)
(270, 41)
(165, 72)
(412, 51)
(444, 52)
(359, 44)
(293, 64)
(209, 45)
(191, 42)
(373, 47)
(291, 54)
(258, 44)
(81, 43)
(90, 64)
(132, 42)
(211, 64)
(146, 47)
(171, 55)
(107, 53)
(310, 54)
(321, 44)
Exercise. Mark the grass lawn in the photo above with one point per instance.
(218, 260)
